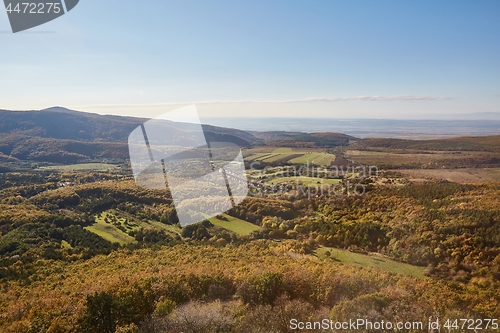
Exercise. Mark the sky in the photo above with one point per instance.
(326, 59)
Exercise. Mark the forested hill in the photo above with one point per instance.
(472, 143)
(61, 135)
(64, 136)
(61, 123)
(299, 139)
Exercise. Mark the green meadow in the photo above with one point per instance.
(234, 224)
(290, 155)
(375, 261)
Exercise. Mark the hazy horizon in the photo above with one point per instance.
(207, 115)
(469, 125)
(324, 59)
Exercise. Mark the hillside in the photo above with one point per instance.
(474, 143)
(61, 123)
(68, 253)
(60, 135)
(75, 239)
(299, 139)
(64, 136)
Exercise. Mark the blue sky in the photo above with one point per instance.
(349, 59)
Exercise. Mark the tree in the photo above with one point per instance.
(101, 314)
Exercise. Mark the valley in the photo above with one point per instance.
(78, 232)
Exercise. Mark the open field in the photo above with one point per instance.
(234, 224)
(376, 261)
(168, 228)
(256, 150)
(464, 176)
(109, 232)
(135, 223)
(66, 245)
(394, 158)
(280, 157)
(397, 158)
(324, 159)
(290, 155)
(307, 181)
(112, 232)
(80, 167)
(277, 150)
(461, 143)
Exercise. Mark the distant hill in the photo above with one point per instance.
(65, 136)
(473, 143)
(25, 147)
(61, 123)
(299, 139)
(61, 135)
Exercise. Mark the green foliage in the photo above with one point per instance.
(451, 229)
(25, 237)
(83, 240)
(374, 260)
(481, 143)
(429, 194)
(234, 224)
(164, 308)
(197, 231)
(295, 139)
(249, 286)
(152, 236)
(102, 313)
(262, 289)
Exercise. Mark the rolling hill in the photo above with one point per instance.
(65, 124)
(60, 135)
(472, 143)
(299, 139)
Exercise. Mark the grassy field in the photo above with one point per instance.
(290, 155)
(66, 245)
(283, 150)
(463, 176)
(398, 157)
(370, 261)
(108, 231)
(280, 157)
(112, 233)
(261, 156)
(324, 159)
(234, 224)
(80, 167)
(168, 228)
(307, 181)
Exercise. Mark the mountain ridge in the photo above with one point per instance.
(61, 135)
